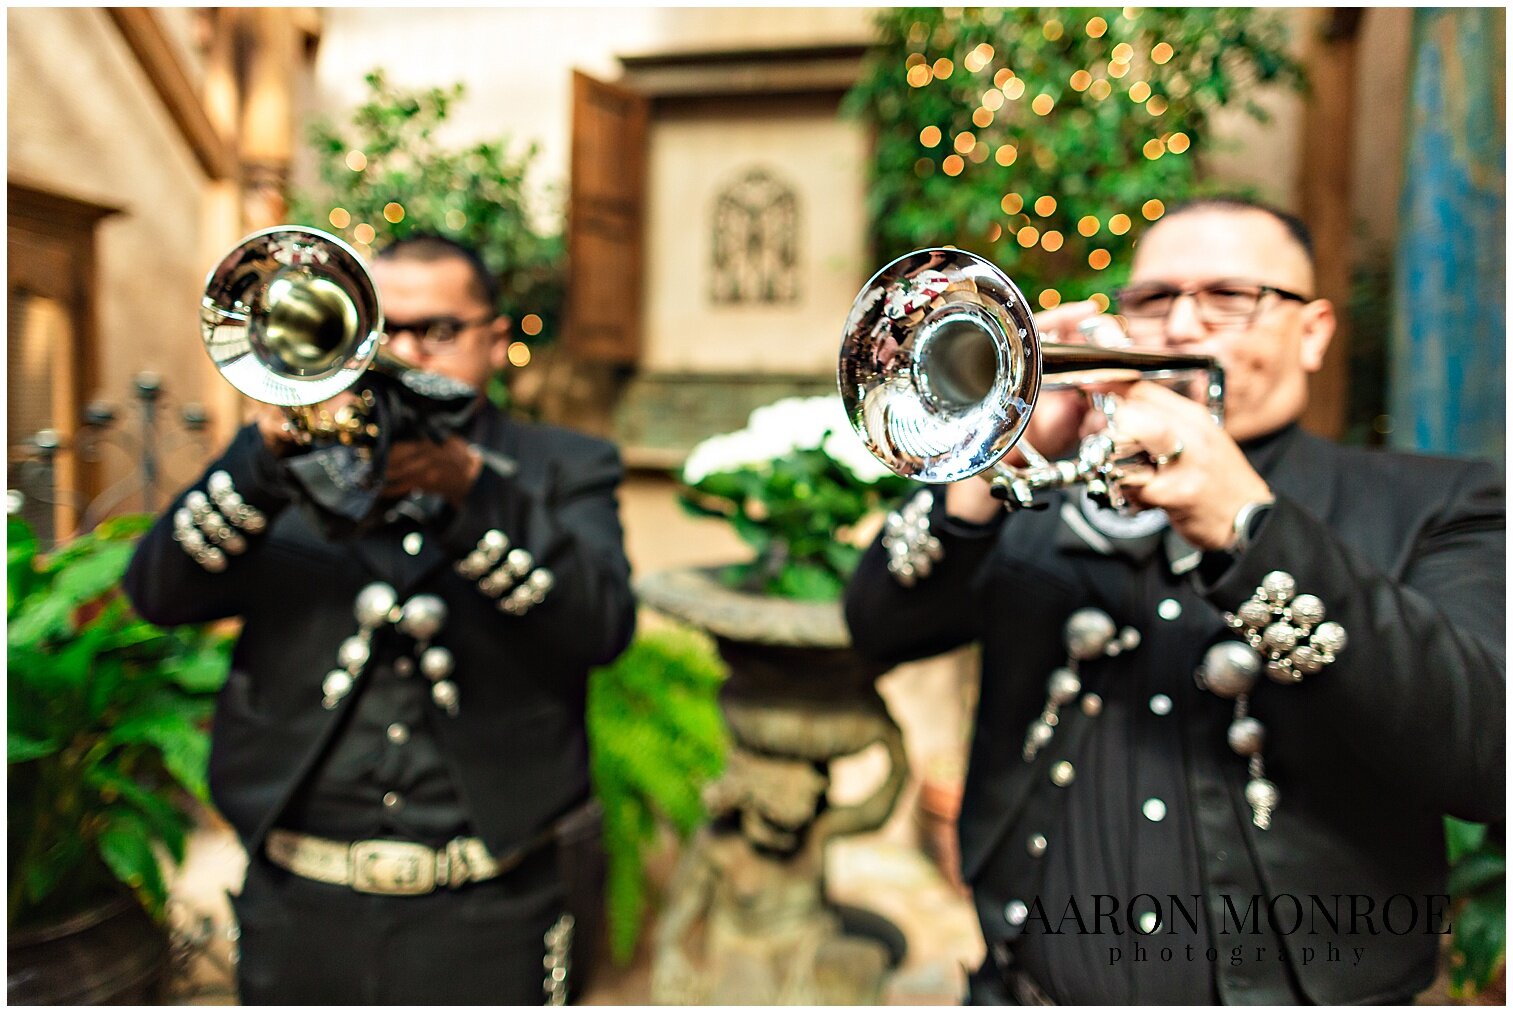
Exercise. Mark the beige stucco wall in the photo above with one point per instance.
(83, 122)
(692, 159)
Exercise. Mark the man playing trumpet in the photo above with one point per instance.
(1213, 749)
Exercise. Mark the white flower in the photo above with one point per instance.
(778, 429)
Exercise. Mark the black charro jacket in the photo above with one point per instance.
(516, 748)
(1406, 552)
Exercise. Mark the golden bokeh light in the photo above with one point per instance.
(1006, 154)
(530, 325)
(973, 62)
(1154, 148)
(986, 49)
(1081, 79)
(1045, 206)
(1088, 225)
(1014, 88)
(1012, 203)
(995, 233)
(1100, 300)
(1028, 236)
(965, 141)
(1153, 209)
(1162, 53)
(394, 212)
(1178, 143)
(1119, 224)
(943, 68)
(1052, 241)
(1049, 299)
(992, 99)
(1096, 27)
(914, 60)
(1003, 77)
(339, 218)
(1099, 259)
(1100, 90)
(930, 136)
(1156, 106)
(982, 117)
(1123, 53)
(364, 233)
(918, 76)
(1053, 30)
(1139, 91)
(1043, 104)
(357, 161)
(953, 165)
(1117, 69)
(520, 354)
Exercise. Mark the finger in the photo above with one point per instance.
(1060, 324)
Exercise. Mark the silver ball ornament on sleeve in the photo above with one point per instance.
(1263, 798)
(1281, 637)
(374, 603)
(1306, 660)
(353, 653)
(444, 693)
(436, 663)
(1089, 631)
(1063, 686)
(1307, 610)
(1229, 669)
(1279, 586)
(423, 617)
(1329, 638)
(1254, 614)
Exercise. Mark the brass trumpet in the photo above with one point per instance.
(941, 366)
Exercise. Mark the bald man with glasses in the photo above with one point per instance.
(1215, 739)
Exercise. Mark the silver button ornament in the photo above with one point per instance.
(1307, 610)
(1088, 633)
(374, 605)
(1263, 797)
(1280, 637)
(1279, 586)
(1254, 614)
(436, 663)
(1063, 686)
(1229, 669)
(1329, 638)
(1246, 736)
(445, 694)
(1306, 660)
(353, 653)
(336, 684)
(422, 617)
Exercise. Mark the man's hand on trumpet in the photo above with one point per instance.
(1201, 477)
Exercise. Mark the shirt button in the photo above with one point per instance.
(1154, 810)
(1170, 609)
(1036, 845)
(1062, 774)
(392, 800)
(1161, 705)
(412, 543)
(398, 734)
(1015, 912)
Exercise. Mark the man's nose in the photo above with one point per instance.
(1183, 325)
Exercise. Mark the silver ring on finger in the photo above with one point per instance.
(1162, 460)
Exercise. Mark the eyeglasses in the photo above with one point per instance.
(1219, 304)
(434, 335)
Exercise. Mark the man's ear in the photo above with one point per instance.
(499, 342)
(1318, 329)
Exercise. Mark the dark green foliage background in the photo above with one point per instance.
(1087, 153)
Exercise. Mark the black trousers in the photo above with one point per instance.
(308, 942)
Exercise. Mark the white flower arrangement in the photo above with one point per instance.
(778, 429)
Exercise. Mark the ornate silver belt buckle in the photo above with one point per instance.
(393, 867)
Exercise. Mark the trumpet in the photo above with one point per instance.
(291, 317)
(941, 367)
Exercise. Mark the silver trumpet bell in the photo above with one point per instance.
(941, 366)
(291, 316)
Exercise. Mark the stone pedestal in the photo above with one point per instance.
(747, 921)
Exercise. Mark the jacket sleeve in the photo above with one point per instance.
(190, 566)
(568, 526)
(1419, 690)
(893, 623)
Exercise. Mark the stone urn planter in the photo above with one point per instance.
(747, 921)
(110, 954)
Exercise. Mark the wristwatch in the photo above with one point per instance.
(1248, 524)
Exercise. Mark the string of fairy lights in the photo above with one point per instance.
(363, 234)
(999, 129)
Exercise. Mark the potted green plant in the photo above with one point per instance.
(106, 754)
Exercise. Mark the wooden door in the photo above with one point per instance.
(605, 221)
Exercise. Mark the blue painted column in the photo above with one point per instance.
(1446, 391)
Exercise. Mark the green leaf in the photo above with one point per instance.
(20, 749)
(1475, 873)
(201, 671)
(185, 748)
(166, 822)
(125, 845)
